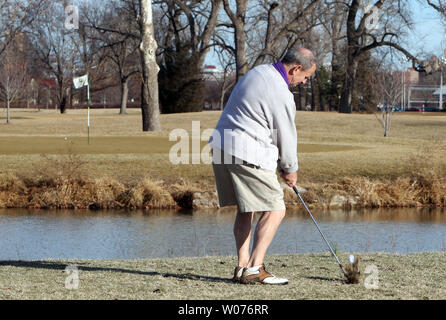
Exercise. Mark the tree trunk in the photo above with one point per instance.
(124, 96)
(313, 96)
(387, 122)
(8, 119)
(61, 97)
(71, 97)
(63, 103)
(238, 21)
(240, 48)
(322, 106)
(149, 88)
(345, 104)
(335, 83)
(336, 23)
(299, 98)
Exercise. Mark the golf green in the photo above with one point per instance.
(10, 145)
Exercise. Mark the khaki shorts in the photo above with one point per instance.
(251, 188)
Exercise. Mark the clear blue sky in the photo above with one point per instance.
(429, 33)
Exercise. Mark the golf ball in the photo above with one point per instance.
(66, 138)
(351, 258)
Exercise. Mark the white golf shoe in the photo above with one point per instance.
(261, 276)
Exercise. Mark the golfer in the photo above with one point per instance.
(255, 136)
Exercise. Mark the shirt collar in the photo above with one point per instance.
(281, 69)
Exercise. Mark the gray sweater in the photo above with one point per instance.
(257, 123)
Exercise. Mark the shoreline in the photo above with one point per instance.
(79, 192)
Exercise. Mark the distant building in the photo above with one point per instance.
(211, 72)
(412, 75)
(436, 93)
(47, 82)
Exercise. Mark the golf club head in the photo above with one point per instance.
(351, 271)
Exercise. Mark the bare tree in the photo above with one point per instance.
(333, 23)
(54, 48)
(13, 76)
(184, 33)
(16, 15)
(387, 87)
(238, 24)
(439, 5)
(140, 12)
(264, 30)
(366, 30)
(227, 80)
(120, 49)
(284, 25)
(200, 39)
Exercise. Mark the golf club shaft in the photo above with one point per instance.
(317, 226)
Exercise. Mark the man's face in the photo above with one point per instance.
(297, 75)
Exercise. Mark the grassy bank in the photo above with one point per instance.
(45, 160)
(312, 276)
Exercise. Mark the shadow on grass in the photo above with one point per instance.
(15, 118)
(326, 279)
(62, 266)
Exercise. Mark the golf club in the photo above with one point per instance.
(351, 272)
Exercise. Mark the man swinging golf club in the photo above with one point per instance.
(255, 136)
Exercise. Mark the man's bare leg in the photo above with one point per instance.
(242, 234)
(265, 230)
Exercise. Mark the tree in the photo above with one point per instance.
(54, 48)
(184, 33)
(16, 16)
(364, 94)
(317, 88)
(120, 49)
(438, 5)
(363, 34)
(238, 24)
(13, 76)
(149, 87)
(142, 31)
(269, 30)
(333, 22)
(387, 87)
(285, 25)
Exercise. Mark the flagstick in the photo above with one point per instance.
(78, 83)
(88, 124)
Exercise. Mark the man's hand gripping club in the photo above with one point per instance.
(290, 178)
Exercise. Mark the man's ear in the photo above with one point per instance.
(296, 68)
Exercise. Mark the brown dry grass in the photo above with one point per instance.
(125, 167)
(64, 183)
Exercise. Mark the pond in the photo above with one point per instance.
(77, 234)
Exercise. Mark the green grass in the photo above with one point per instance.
(331, 146)
(311, 276)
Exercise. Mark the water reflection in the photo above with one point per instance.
(39, 234)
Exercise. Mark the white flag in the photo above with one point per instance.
(80, 82)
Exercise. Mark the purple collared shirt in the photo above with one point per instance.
(281, 69)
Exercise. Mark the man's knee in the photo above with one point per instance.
(243, 221)
(282, 214)
(278, 214)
